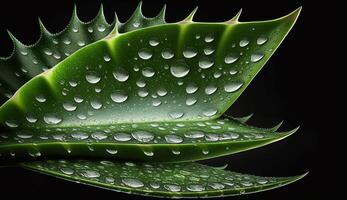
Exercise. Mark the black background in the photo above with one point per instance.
(293, 86)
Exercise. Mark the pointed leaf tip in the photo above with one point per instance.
(190, 17)
(162, 12)
(276, 127)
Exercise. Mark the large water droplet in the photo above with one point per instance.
(142, 136)
(173, 139)
(179, 69)
(134, 183)
(191, 101)
(52, 119)
(167, 54)
(67, 171)
(11, 123)
(176, 114)
(145, 53)
(261, 40)
(232, 87)
(205, 63)
(96, 104)
(148, 72)
(216, 186)
(244, 42)
(69, 106)
(230, 58)
(122, 137)
(92, 77)
(210, 89)
(161, 92)
(99, 136)
(90, 174)
(194, 134)
(255, 57)
(121, 75)
(190, 52)
(119, 96)
(209, 112)
(79, 135)
(195, 188)
(172, 188)
(191, 88)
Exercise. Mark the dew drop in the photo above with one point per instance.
(101, 28)
(119, 96)
(148, 153)
(145, 53)
(209, 112)
(232, 72)
(205, 63)
(99, 136)
(40, 98)
(148, 72)
(230, 58)
(232, 87)
(31, 118)
(92, 77)
(217, 186)
(167, 54)
(179, 69)
(11, 123)
(161, 92)
(67, 171)
(52, 119)
(81, 43)
(261, 40)
(173, 139)
(78, 99)
(208, 51)
(134, 183)
(79, 135)
(141, 83)
(107, 58)
(191, 88)
(244, 42)
(191, 101)
(96, 104)
(153, 42)
(209, 38)
(122, 137)
(194, 134)
(121, 75)
(176, 114)
(255, 57)
(172, 188)
(69, 106)
(190, 52)
(90, 174)
(48, 52)
(210, 89)
(176, 152)
(112, 151)
(195, 188)
(142, 136)
(73, 83)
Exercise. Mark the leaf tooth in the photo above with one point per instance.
(74, 17)
(190, 17)
(116, 25)
(276, 127)
(15, 41)
(287, 133)
(162, 13)
(138, 11)
(43, 30)
(243, 119)
(235, 19)
(101, 14)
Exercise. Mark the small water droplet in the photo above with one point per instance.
(101, 28)
(209, 112)
(175, 152)
(190, 52)
(210, 89)
(67, 171)
(120, 74)
(143, 136)
(173, 139)
(209, 38)
(232, 72)
(255, 57)
(69, 106)
(176, 114)
(191, 101)
(81, 43)
(112, 151)
(119, 96)
(48, 52)
(136, 24)
(67, 41)
(261, 40)
(161, 92)
(31, 119)
(205, 63)
(107, 58)
(153, 42)
(172, 188)
(232, 87)
(122, 137)
(195, 188)
(90, 174)
(230, 58)
(191, 88)
(92, 77)
(99, 136)
(179, 69)
(78, 99)
(40, 98)
(148, 72)
(96, 104)
(145, 53)
(208, 51)
(141, 83)
(205, 151)
(11, 123)
(167, 54)
(194, 134)
(90, 30)
(73, 83)
(148, 152)
(134, 183)
(244, 42)
(79, 135)
(52, 119)
(217, 186)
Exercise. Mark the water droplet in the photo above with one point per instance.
(210, 89)
(81, 43)
(217, 186)
(69, 106)
(161, 92)
(40, 98)
(48, 52)
(122, 137)
(173, 139)
(262, 181)
(96, 104)
(195, 188)
(148, 72)
(92, 77)
(205, 63)
(190, 52)
(67, 41)
(52, 119)
(121, 75)
(136, 24)
(31, 119)
(261, 40)
(191, 88)
(209, 112)
(11, 123)
(112, 151)
(232, 87)
(79, 135)
(73, 83)
(244, 42)
(176, 114)
(232, 72)
(246, 183)
(176, 152)
(74, 29)
(141, 83)
(191, 101)
(134, 183)
(205, 151)
(172, 188)
(90, 174)
(99, 136)
(142, 136)
(24, 135)
(101, 28)
(208, 51)
(153, 42)
(194, 134)
(142, 92)
(255, 57)
(179, 69)
(167, 54)
(67, 171)
(154, 185)
(148, 152)
(107, 58)
(209, 38)
(230, 58)
(145, 53)
(119, 96)
(78, 99)
(217, 74)
(90, 30)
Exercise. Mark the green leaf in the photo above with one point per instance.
(171, 75)
(27, 61)
(161, 180)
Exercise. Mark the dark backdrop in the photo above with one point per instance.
(293, 86)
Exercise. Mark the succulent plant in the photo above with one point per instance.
(129, 106)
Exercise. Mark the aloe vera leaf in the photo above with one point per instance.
(158, 179)
(127, 79)
(27, 61)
